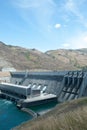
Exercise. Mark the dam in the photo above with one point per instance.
(34, 88)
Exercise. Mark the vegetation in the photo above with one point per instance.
(61, 59)
(67, 116)
(27, 55)
(84, 68)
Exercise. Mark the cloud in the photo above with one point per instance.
(57, 26)
(25, 4)
(85, 39)
(38, 12)
(78, 41)
(74, 7)
(70, 5)
(66, 45)
(33, 3)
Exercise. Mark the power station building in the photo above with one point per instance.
(64, 85)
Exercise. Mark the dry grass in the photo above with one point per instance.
(68, 116)
(22, 59)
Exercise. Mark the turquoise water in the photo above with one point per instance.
(43, 107)
(11, 116)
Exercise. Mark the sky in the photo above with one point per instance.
(44, 24)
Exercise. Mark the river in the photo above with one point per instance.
(11, 116)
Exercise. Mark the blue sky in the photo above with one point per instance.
(44, 24)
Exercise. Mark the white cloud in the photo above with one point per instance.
(66, 45)
(70, 5)
(33, 3)
(85, 39)
(57, 26)
(38, 12)
(74, 6)
(25, 4)
(79, 41)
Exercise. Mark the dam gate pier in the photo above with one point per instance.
(34, 88)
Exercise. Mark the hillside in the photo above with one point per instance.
(67, 116)
(76, 58)
(22, 58)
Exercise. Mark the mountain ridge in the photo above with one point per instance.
(60, 59)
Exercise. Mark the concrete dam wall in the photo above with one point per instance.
(67, 85)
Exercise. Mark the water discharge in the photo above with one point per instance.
(11, 116)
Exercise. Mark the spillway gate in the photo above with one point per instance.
(67, 85)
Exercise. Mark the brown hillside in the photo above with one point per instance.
(66, 116)
(76, 58)
(22, 59)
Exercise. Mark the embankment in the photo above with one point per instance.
(67, 116)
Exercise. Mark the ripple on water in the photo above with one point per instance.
(10, 115)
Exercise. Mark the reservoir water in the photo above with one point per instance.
(11, 116)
